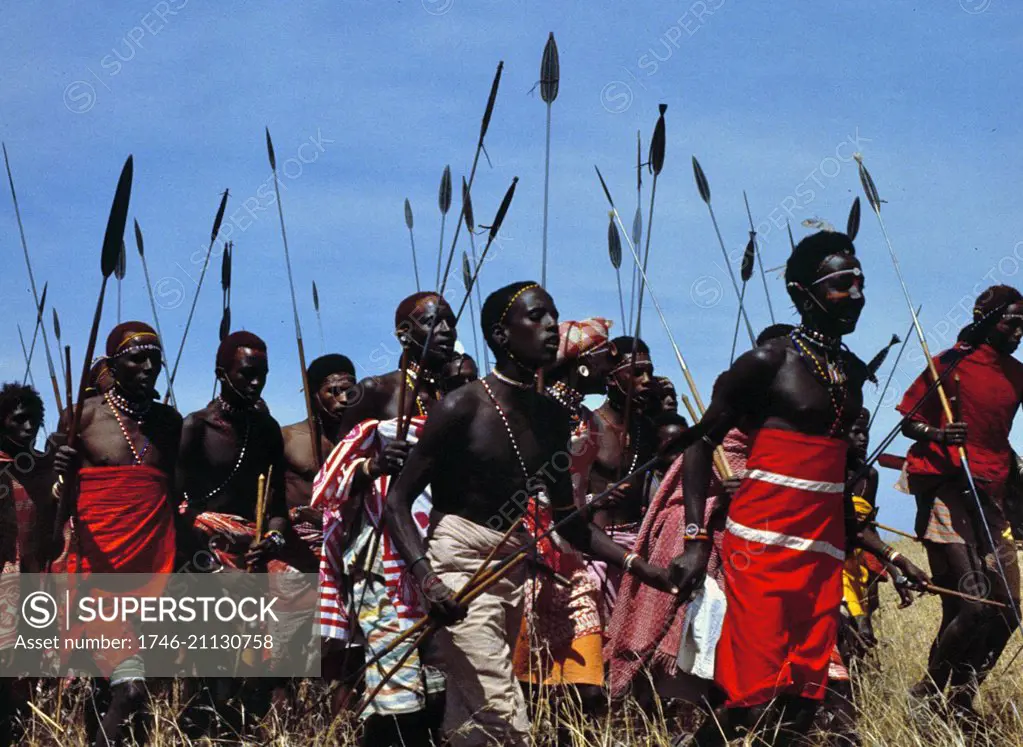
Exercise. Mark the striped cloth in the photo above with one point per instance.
(332, 493)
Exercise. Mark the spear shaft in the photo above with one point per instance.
(35, 336)
(28, 359)
(891, 374)
(760, 262)
(32, 281)
(156, 317)
(314, 434)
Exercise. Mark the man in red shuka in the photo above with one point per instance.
(986, 389)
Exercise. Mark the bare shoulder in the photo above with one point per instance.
(166, 413)
(459, 404)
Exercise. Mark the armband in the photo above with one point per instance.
(275, 536)
(630, 558)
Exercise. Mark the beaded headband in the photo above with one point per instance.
(134, 342)
(514, 299)
(855, 271)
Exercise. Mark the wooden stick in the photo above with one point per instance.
(893, 530)
(968, 597)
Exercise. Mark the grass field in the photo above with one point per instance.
(885, 717)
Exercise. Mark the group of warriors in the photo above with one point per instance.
(558, 553)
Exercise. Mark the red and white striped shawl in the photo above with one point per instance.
(332, 492)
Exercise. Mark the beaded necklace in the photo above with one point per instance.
(566, 396)
(541, 495)
(115, 403)
(413, 374)
(830, 373)
(237, 464)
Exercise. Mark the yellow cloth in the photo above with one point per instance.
(855, 575)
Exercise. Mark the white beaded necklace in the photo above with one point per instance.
(111, 399)
(511, 434)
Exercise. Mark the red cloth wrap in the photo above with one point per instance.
(783, 601)
(990, 388)
(124, 523)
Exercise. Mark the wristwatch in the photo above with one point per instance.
(694, 532)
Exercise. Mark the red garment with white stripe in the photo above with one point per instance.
(332, 492)
(783, 552)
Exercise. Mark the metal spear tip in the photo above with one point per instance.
(657, 143)
(607, 192)
(746, 269)
(868, 186)
(614, 243)
(138, 239)
(466, 272)
(503, 209)
(225, 267)
(270, 150)
(701, 181)
(42, 301)
(550, 71)
(114, 234)
(408, 214)
(852, 226)
(489, 111)
(225, 323)
(220, 217)
(470, 220)
(316, 299)
(56, 323)
(444, 195)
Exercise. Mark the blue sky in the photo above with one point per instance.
(368, 101)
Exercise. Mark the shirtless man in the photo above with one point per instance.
(785, 537)
(124, 464)
(483, 451)
(619, 454)
(224, 448)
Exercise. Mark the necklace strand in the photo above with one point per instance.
(508, 428)
(139, 457)
(831, 375)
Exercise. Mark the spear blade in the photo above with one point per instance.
(444, 196)
(56, 325)
(746, 268)
(122, 263)
(225, 268)
(220, 215)
(466, 272)
(408, 214)
(489, 111)
(138, 240)
(502, 210)
(603, 184)
(270, 151)
(657, 142)
(225, 323)
(470, 220)
(614, 243)
(114, 236)
(550, 71)
(869, 187)
(42, 304)
(701, 181)
(316, 298)
(852, 226)
(637, 226)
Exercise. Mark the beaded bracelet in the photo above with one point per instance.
(275, 536)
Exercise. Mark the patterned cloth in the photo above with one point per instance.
(332, 493)
(579, 338)
(607, 578)
(230, 537)
(642, 611)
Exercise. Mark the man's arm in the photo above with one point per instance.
(735, 393)
(363, 404)
(447, 425)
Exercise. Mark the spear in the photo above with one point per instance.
(614, 250)
(550, 75)
(745, 272)
(875, 202)
(32, 281)
(637, 223)
(760, 262)
(852, 225)
(314, 434)
(498, 220)
(56, 332)
(704, 187)
(470, 227)
(444, 202)
(319, 319)
(152, 304)
(225, 288)
(484, 126)
(35, 333)
(467, 281)
(119, 272)
(108, 262)
(412, 240)
(188, 322)
(792, 241)
(695, 414)
(28, 362)
(895, 367)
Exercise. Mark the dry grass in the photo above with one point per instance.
(885, 715)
